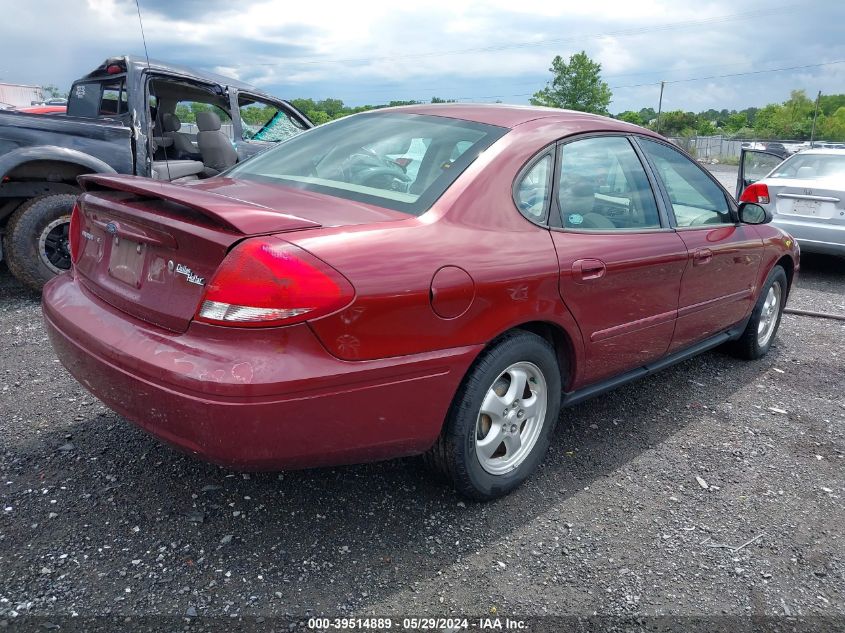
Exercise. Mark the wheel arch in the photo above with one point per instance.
(50, 163)
(559, 339)
(788, 266)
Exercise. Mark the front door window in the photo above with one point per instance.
(264, 121)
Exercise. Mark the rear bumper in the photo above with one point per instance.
(814, 237)
(252, 399)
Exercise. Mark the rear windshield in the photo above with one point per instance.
(811, 167)
(399, 161)
(93, 99)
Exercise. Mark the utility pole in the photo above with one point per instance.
(815, 115)
(660, 106)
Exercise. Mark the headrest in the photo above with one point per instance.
(170, 122)
(208, 121)
(805, 171)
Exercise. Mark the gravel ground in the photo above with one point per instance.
(630, 514)
(725, 174)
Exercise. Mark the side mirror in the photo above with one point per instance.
(751, 213)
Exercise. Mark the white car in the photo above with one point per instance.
(804, 193)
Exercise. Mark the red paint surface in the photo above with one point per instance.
(452, 292)
(375, 379)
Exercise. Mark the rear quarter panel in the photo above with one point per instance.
(474, 226)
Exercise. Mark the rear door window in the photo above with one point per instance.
(94, 99)
(603, 186)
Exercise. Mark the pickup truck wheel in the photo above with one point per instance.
(502, 418)
(37, 239)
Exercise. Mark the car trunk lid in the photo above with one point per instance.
(808, 200)
(149, 248)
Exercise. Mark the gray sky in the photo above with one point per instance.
(375, 51)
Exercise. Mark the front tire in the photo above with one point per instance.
(500, 424)
(36, 244)
(757, 338)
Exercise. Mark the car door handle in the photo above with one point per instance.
(702, 256)
(588, 269)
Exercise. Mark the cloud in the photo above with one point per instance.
(474, 50)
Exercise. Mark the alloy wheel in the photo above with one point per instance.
(769, 315)
(511, 418)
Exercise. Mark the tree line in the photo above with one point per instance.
(792, 119)
(326, 110)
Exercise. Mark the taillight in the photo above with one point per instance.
(267, 282)
(757, 193)
(75, 233)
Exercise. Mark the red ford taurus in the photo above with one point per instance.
(433, 279)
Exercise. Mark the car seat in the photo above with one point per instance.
(217, 151)
(182, 146)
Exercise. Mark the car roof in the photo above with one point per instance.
(134, 63)
(511, 116)
(822, 150)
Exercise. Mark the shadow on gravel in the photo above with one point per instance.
(324, 539)
(821, 271)
(11, 288)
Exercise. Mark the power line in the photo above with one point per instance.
(750, 72)
(517, 45)
(657, 83)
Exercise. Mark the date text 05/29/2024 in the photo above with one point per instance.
(417, 624)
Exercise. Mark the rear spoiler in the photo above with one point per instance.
(247, 218)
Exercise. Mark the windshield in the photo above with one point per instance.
(399, 161)
(811, 167)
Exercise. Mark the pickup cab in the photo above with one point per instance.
(127, 116)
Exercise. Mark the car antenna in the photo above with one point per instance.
(147, 55)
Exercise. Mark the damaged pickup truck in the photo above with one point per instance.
(124, 117)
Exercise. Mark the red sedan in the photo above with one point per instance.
(327, 303)
(45, 109)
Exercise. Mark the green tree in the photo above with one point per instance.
(832, 128)
(793, 119)
(333, 107)
(184, 113)
(678, 123)
(736, 122)
(318, 116)
(50, 91)
(576, 85)
(705, 127)
(629, 116)
(304, 105)
(647, 115)
(829, 104)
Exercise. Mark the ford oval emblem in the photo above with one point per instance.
(111, 227)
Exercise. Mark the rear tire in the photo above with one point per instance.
(762, 328)
(486, 455)
(36, 247)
